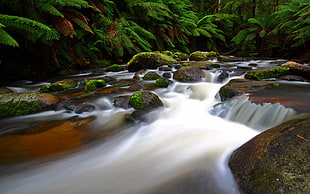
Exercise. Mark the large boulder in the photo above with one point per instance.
(275, 161)
(188, 74)
(144, 100)
(15, 104)
(298, 69)
(149, 60)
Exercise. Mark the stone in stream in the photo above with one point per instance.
(15, 104)
(144, 100)
(275, 161)
(149, 60)
(188, 74)
(298, 69)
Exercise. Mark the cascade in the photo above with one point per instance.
(181, 148)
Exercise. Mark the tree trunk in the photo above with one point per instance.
(219, 6)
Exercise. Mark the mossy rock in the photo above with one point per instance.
(161, 82)
(144, 100)
(93, 84)
(149, 60)
(202, 56)
(180, 56)
(151, 76)
(169, 53)
(115, 68)
(15, 104)
(267, 73)
(276, 161)
(59, 86)
(188, 74)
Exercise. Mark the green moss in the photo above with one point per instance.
(160, 82)
(121, 85)
(17, 107)
(269, 73)
(169, 53)
(149, 60)
(199, 55)
(115, 68)
(136, 100)
(151, 76)
(59, 86)
(212, 54)
(93, 84)
(180, 56)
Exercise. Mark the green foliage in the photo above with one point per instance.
(294, 21)
(35, 29)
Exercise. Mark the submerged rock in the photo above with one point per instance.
(188, 74)
(15, 104)
(149, 60)
(144, 100)
(276, 161)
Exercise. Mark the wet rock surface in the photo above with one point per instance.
(275, 161)
(188, 74)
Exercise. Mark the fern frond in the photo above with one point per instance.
(50, 9)
(7, 39)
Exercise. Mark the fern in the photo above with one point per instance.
(36, 29)
(6, 39)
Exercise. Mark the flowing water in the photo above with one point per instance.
(180, 148)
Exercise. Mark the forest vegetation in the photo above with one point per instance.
(43, 37)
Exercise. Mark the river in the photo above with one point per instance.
(181, 148)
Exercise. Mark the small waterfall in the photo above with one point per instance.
(182, 148)
(183, 144)
(256, 116)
